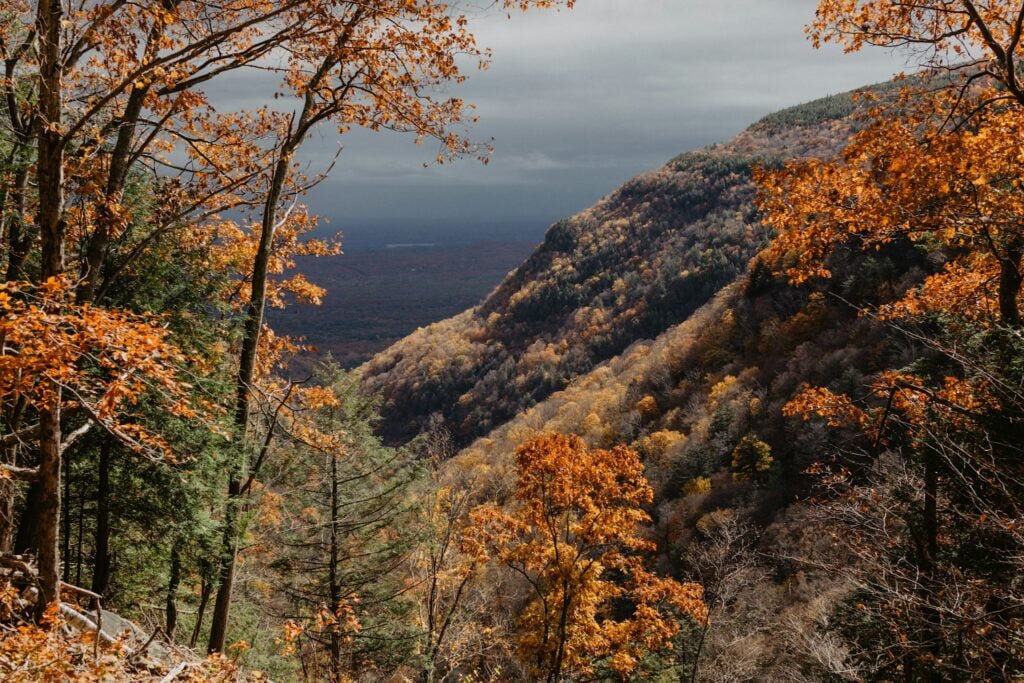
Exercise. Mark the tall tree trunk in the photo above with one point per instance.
(205, 589)
(49, 508)
(246, 374)
(101, 565)
(253, 327)
(50, 180)
(50, 161)
(172, 593)
(1010, 280)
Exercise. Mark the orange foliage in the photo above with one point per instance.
(910, 177)
(956, 30)
(900, 396)
(944, 172)
(95, 360)
(54, 652)
(575, 526)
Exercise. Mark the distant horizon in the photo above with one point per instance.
(372, 236)
(372, 233)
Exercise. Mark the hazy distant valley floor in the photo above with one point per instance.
(376, 297)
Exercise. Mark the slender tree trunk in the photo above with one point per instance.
(101, 566)
(695, 671)
(172, 593)
(205, 589)
(1010, 280)
(5, 192)
(931, 516)
(117, 177)
(18, 242)
(226, 572)
(65, 514)
(246, 374)
(13, 414)
(78, 539)
(8, 489)
(563, 632)
(932, 634)
(28, 526)
(50, 180)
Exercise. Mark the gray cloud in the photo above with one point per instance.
(579, 101)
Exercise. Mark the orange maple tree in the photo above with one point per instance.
(574, 535)
(940, 168)
(943, 172)
(909, 177)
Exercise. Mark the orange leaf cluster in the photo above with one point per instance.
(96, 360)
(911, 177)
(897, 396)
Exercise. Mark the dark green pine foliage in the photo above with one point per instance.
(342, 551)
(138, 530)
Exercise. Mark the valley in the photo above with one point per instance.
(377, 296)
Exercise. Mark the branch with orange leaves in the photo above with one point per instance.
(97, 362)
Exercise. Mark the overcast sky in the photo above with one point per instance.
(578, 102)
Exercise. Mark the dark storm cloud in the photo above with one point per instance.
(578, 101)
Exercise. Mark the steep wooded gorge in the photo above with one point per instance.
(655, 320)
(754, 416)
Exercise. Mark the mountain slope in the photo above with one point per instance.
(685, 347)
(641, 260)
(686, 401)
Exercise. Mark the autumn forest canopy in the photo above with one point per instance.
(756, 415)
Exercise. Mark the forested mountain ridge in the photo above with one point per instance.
(639, 261)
